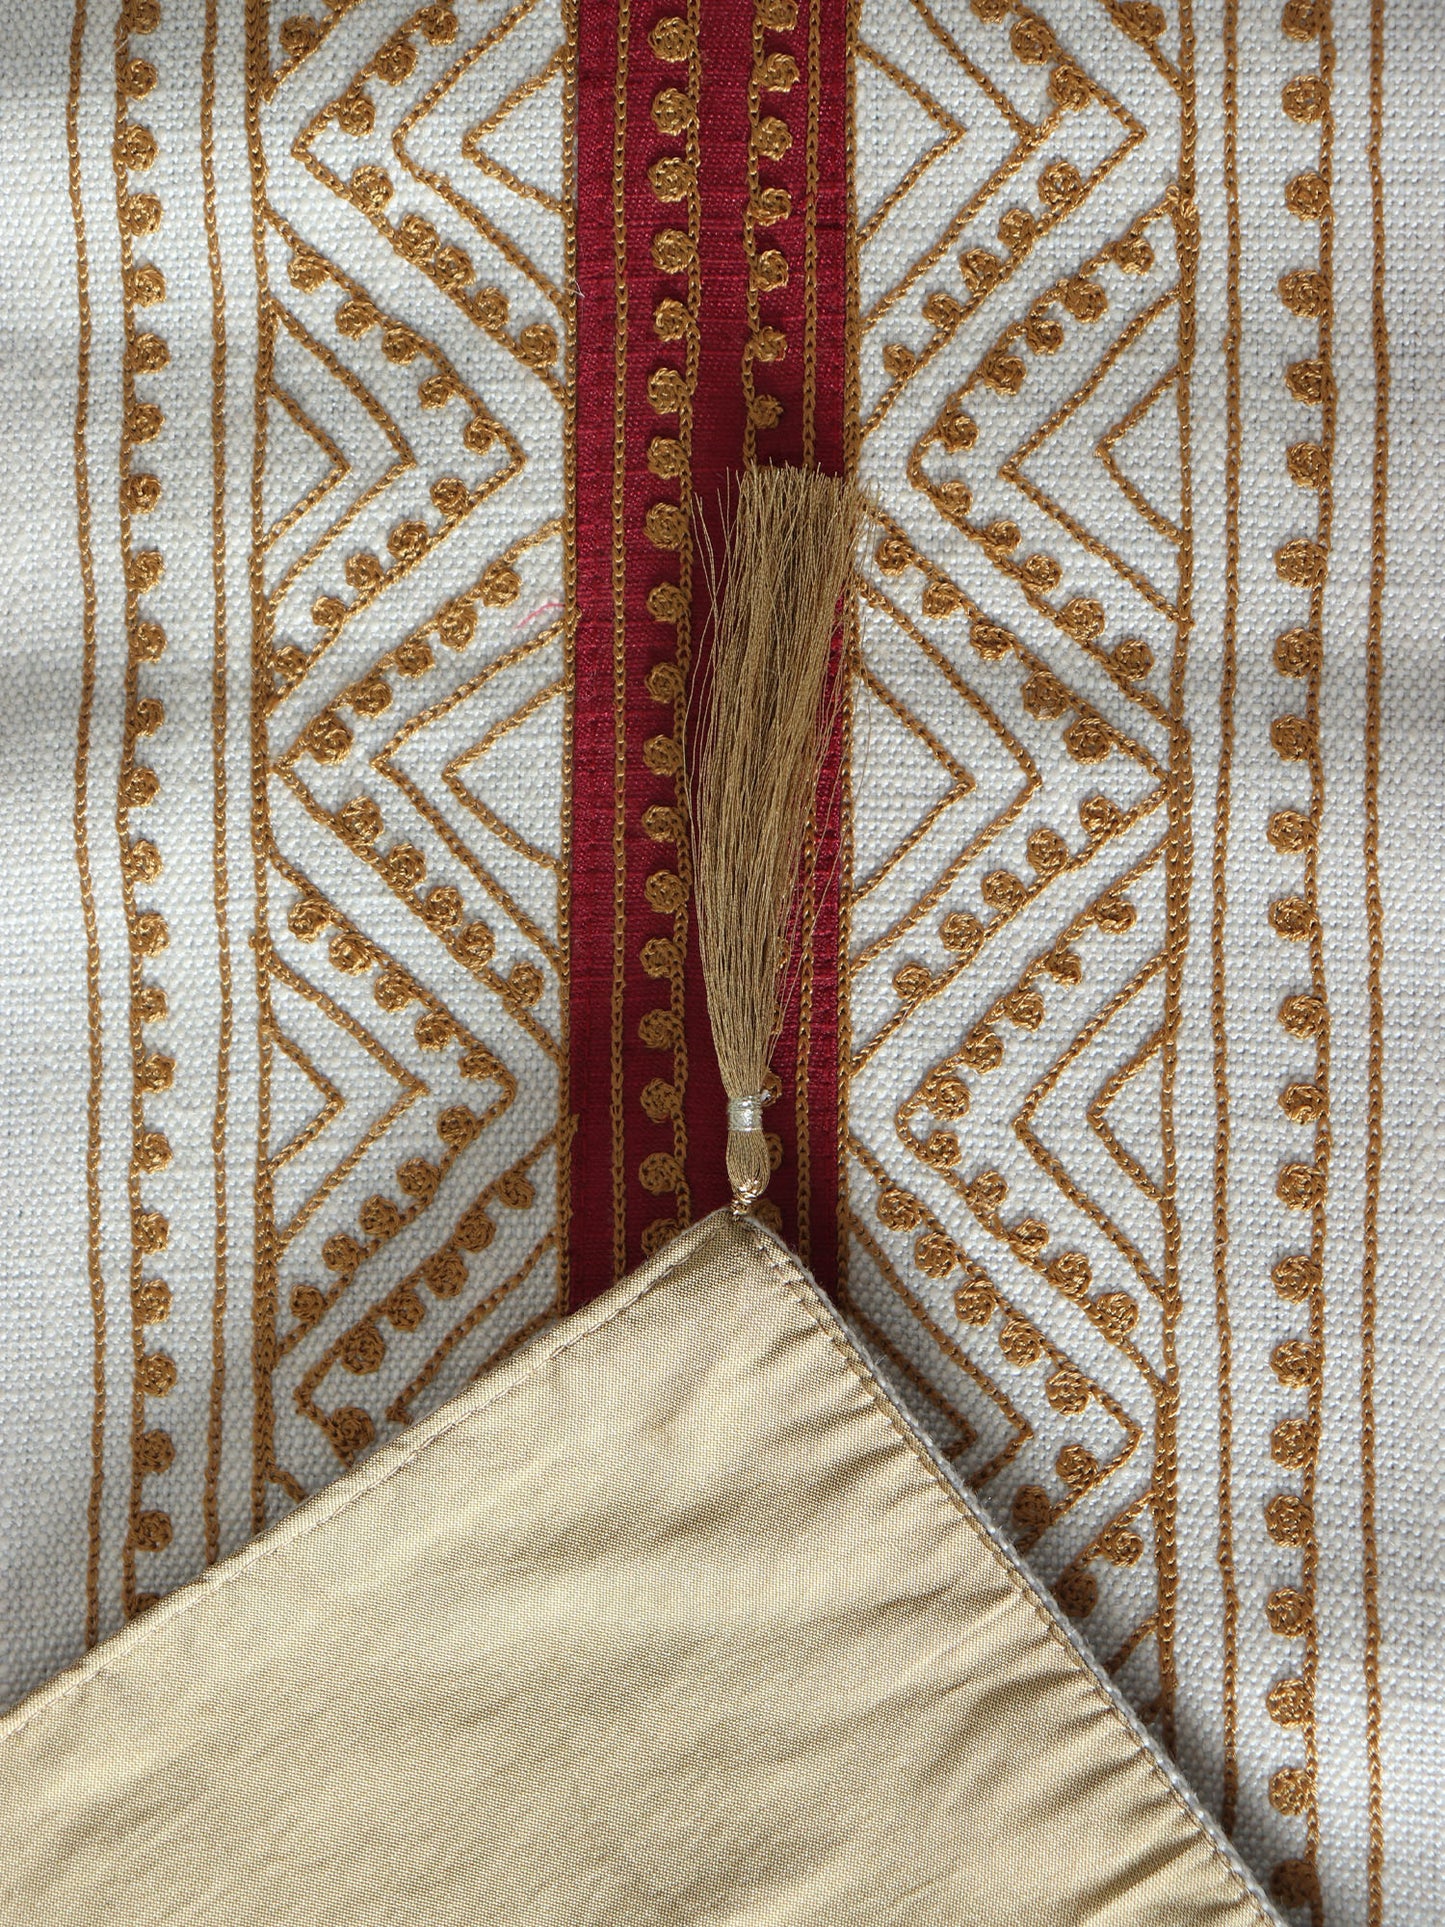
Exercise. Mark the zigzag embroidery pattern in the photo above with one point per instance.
(413, 586)
(1020, 774)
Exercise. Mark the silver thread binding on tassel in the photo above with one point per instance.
(746, 1113)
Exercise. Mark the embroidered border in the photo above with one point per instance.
(1089, 737)
(465, 887)
(694, 154)
(667, 525)
(1299, 1276)
(219, 717)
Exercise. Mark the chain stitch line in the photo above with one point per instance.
(1374, 909)
(220, 709)
(81, 831)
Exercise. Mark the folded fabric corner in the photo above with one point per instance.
(670, 1619)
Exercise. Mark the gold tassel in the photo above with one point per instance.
(757, 756)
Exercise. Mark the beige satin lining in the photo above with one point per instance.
(667, 1621)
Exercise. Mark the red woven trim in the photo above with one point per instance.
(616, 1136)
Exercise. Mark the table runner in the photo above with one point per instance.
(367, 369)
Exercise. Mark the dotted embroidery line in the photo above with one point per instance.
(147, 356)
(667, 524)
(1307, 293)
(774, 73)
(380, 1217)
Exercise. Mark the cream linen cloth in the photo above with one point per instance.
(673, 1619)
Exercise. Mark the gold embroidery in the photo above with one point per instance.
(1374, 912)
(84, 537)
(672, 113)
(1302, 564)
(773, 73)
(211, 1522)
(958, 459)
(343, 723)
(668, 526)
(146, 357)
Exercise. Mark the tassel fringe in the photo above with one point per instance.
(765, 725)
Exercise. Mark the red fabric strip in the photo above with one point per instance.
(705, 296)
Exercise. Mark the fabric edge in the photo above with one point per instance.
(792, 1273)
(470, 1406)
(384, 1464)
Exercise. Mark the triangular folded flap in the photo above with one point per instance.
(671, 1619)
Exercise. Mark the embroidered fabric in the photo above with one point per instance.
(367, 369)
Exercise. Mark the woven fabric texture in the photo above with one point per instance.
(371, 373)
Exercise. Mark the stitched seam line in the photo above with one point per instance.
(801, 1290)
(800, 1293)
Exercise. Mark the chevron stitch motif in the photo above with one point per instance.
(1020, 786)
(412, 579)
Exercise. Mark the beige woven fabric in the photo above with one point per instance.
(670, 1620)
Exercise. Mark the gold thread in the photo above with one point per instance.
(847, 857)
(153, 1375)
(952, 134)
(400, 1409)
(263, 1465)
(1229, 1793)
(802, 1062)
(565, 1119)
(810, 258)
(1320, 1164)
(485, 307)
(1289, 1517)
(510, 1187)
(82, 831)
(219, 713)
(668, 526)
(1374, 910)
(619, 642)
(1020, 1429)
